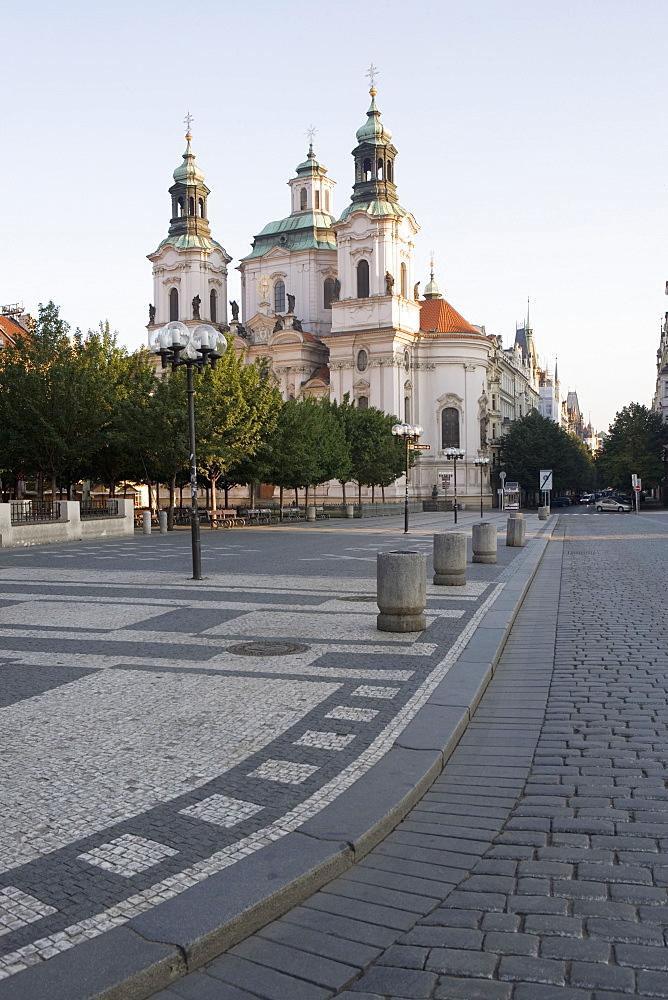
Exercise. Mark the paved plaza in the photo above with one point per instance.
(146, 754)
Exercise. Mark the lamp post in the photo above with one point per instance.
(453, 454)
(410, 433)
(177, 345)
(482, 463)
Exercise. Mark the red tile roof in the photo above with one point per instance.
(437, 317)
(321, 373)
(10, 329)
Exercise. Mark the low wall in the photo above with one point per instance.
(68, 528)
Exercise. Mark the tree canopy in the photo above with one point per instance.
(534, 443)
(633, 444)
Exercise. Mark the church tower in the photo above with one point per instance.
(189, 267)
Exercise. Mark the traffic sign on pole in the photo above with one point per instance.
(545, 480)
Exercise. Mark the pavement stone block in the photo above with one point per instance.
(570, 949)
(444, 937)
(527, 991)
(464, 900)
(524, 968)
(652, 984)
(461, 962)
(451, 988)
(356, 909)
(442, 917)
(349, 952)
(341, 927)
(642, 957)
(511, 944)
(295, 961)
(406, 984)
(198, 986)
(394, 898)
(599, 976)
(404, 956)
(626, 931)
(263, 982)
(506, 922)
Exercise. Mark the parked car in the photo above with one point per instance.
(588, 498)
(610, 503)
(561, 502)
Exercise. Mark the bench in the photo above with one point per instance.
(225, 519)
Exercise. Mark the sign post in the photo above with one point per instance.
(502, 477)
(545, 481)
(636, 482)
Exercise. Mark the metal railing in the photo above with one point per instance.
(30, 511)
(98, 508)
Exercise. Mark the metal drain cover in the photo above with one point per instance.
(359, 597)
(267, 648)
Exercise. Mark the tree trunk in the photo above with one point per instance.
(170, 509)
(214, 480)
(306, 496)
(343, 487)
(296, 497)
(383, 492)
(54, 486)
(280, 502)
(251, 495)
(227, 499)
(373, 494)
(359, 494)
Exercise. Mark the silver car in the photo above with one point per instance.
(607, 503)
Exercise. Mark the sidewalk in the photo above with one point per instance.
(320, 803)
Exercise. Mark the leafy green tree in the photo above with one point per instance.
(634, 444)
(377, 456)
(534, 443)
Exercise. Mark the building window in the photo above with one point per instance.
(213, 305)
(302, 200)
(327, 201)
(389, 169)
(362, 361)
(191, 206)
(363, 402)
(180, 204)
(316, 195)
(366, 170)
(380, 170)
(404, 281)
(363, 279)
(407, 409)
(201, 208)
(450, 427)
(173, 305)
(279, 297)
(407, 361)
(329, 287)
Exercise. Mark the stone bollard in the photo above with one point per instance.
(310, 513)
(484, 542)
(543, 513)
(401, 591)
(516, 532)
(163, 522)
(515, 515)
(146, 521)
(350, 510)
(450, 559)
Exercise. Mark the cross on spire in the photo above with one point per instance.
(372, 72)
(188, 120)
(311, 133)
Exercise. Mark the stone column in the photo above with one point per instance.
(401, 591)
(450, 559)
(484, 542)
(516, 532)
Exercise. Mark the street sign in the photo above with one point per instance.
(634, 480)
(545, 479)
(420, 447)
(637, 489)
(502, 476)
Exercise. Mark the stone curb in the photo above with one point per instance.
(160, 946)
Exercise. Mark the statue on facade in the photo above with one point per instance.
(278, 325)
(389, 283)
(197, 302)
(416, 293)
(336, 291)
(235, 310)
(291, 303)
(151, 314)
(297, 325)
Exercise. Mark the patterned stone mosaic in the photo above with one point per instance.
(128, 855)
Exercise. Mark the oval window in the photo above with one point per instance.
(362, 361)
(407, 360)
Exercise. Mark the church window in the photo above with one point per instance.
(362, 361)
(302, 200)
(180, 206)
(366, 170)
(327, 201)
(279, 297)
(388, 171)
(407, 360)
(317, 200)
(363, 279)
(329, 292)
(191, 206)
(407, 409)
(173, 305)
(450, 427)
(379, 172)
(363, 402)
(404, 281)
(201, 208)
(213, 309)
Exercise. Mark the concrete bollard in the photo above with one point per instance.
(310, 513)
(163, 522)
(484, 542)
(516, 515)
(543, 513)
(401, 591)
(146, 522)
(450, 559)
(516, 532)
(350, 510)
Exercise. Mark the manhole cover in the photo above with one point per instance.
(359, 597)
(267, 648)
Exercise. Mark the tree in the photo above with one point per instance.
(534, 443)
(634, 444)
(377, 456)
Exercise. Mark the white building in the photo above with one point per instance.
(660, 401)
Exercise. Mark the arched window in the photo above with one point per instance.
(388, 171)
(191, 206)
(407, 409)
(362, 361)
(213, 305)
(201, 208)
(366, 170)
(363, 402)
(404, 281)
(450, 427)
(180, 206)
(329, 292)
(327, 201)
(317, 200)
(173, 304)
(379, 170)
(279, 297)
(363, 279)
(302, 200)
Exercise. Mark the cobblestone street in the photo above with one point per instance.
(535, 867)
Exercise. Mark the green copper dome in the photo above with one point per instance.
(187, 172)
(373, 130)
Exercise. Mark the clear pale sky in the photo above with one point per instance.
(531, 138)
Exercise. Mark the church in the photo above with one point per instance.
(333, 302)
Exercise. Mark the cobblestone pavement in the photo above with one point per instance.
(143, 752)
(536, 866)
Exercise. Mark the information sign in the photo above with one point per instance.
(545, 480)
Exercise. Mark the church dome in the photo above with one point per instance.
(373, 130)
(188, 172)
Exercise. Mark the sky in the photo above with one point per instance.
(531, 150)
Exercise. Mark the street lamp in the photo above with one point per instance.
(453, 454)
(177, 345)
(410, 433)
(482, 463)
